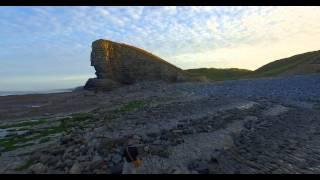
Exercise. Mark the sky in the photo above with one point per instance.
(45, 48)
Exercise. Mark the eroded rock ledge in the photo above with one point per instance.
(117, 64)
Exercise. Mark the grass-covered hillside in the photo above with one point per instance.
(220, 74)
(305, 63)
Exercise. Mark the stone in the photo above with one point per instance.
(34, 157)
(66, 139)
(75, 169)
(188, 131)
(116, 158)
(177, 131)
(57, 150)
(38, 168)
(117, 169)
(214, 168)
(44, 158)
(161, 151)
(68, 162)
(199, 166)
(152, 134)
(96, 162)
(101, 84)
(52, 160)
(118, 64)
(146, 148)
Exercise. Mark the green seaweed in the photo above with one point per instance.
(44, 140)
(66, 124)
(24, 166)
(30, 123)
(132, 106)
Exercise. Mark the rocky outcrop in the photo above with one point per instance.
(118, 64)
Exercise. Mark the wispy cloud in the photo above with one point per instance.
(190, 37)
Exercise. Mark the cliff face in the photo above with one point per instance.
(118, 64)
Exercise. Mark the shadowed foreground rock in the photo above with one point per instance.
(118, 64)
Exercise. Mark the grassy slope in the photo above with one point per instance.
(220, 74)
(271, 69)
(287, 64)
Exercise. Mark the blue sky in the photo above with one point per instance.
(49, 47)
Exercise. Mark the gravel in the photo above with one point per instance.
(304, 87)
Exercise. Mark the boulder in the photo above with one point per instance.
(38, 168)
(118, 64)
(75, 169)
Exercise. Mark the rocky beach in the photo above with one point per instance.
(249, 126)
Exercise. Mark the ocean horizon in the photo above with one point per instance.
(11, 93)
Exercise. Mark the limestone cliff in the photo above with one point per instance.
(117, 64)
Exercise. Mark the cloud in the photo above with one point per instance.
(190, 37)
(256, 37)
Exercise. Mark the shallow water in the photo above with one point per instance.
(9, 93)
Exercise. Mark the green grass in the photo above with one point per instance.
(286, 64)
(271, 69)
(219, 74)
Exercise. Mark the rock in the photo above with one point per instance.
(60, 165)
(117, 169)
(116, 158)
(188, 131)
(38, 168)
(152, 134)
(275, 110)
(200, 166)
(250, 118)
(157, 142)
(146, 148)
(178, 141)
(75, 169)
(101, 84)
(117, 64)
(177, 131)
(161, 151)
(34, 157)
(82, 158)
(52, 160)
(178, 170)
(96, 162)
(214, 168)
(44, 158)
(68, 162)
(57, 150)
(136, 137)
(66, 139)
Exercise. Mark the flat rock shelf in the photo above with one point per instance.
(262, 126)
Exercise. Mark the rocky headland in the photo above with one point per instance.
(269, 125)
(119, 64)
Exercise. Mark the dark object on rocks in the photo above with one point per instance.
(130, 153)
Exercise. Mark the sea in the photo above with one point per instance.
(8, 93)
